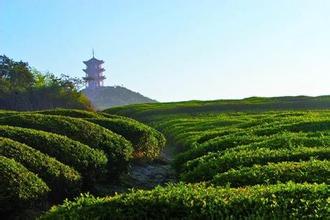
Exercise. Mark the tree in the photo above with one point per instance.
(15, 76)
(26, 88)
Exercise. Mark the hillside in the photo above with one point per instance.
(110, 96)
(149, 112)
(256, 158)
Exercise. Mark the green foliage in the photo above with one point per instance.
(206, 167)
(185, 201)
(89, 162)
(144, 139)
(5, 113)
(24, 88)
(222, 143)
(75, 113)
(14, 76)
(63, 180)
(155, 111)
(214, 145)
(117, 149)
(19, 188)
(238, 143)
(147, 142)
(299, 172)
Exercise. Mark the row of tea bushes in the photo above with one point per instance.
(19, 187)
(69, 151)
(147, 142)
(257, 135)
(240, 149)
(89, 162)
(214, 145)
(313, 171)
(206, 167)
(186, 201)
(117, 149)
(62, 179)
(75, 113)
(281, 140)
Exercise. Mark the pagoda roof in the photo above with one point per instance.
(93, 60)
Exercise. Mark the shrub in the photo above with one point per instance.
(107, 115)
(213, 145)
(116, 148)
(290, 140)
(19, 188)
(89, 162)
(75, 113)
(209, 135)
(281, 201)
(5, 113)
(277, 141)
(206, 167)
(143, 138)
(310, 125)
(304, 171)
(63, 180)
(160, 137)
(147, 142)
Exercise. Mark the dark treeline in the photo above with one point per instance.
(25, 88)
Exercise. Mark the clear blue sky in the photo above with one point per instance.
(178, 49)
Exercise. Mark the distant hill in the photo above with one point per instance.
(110, 96)
(252, 104)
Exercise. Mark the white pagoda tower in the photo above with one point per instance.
(94, 73)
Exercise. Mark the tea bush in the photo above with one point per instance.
(89, 162)
(206, 167)
(143, 138)
(147, 142)
(313, 171)
(214, 145)
(186, 201)
(19, 188)
(75, 113)
(63, 180)
(117, 149)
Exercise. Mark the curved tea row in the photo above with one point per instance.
(67, 152)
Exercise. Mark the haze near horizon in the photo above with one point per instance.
(178, 50)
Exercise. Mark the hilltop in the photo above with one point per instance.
(111, 96)
(147, 112)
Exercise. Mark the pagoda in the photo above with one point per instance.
(94, 73)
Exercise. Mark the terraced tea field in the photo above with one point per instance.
(264, 159)
(256, 163)
(48, 156)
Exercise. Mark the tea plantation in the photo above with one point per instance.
(257, 158)
(48, 156)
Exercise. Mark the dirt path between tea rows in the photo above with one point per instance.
(158, 172)
(144, 175)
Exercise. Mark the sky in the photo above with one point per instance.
(174, 50)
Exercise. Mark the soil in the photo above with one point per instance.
(143, 175)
